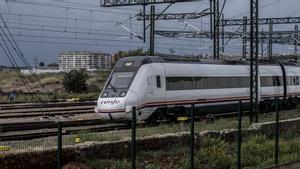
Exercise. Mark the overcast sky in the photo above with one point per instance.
(44, 28)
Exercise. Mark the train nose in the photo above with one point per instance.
(111, 108)
(115, 108)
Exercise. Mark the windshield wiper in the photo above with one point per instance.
(114, 89)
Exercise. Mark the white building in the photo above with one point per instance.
(84, 60)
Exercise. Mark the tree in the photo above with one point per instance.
(121, 54)
(41, 64)
(75, 81)
(53, 65)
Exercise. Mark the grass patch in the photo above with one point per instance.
(214, 153)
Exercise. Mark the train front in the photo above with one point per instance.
(116, 95)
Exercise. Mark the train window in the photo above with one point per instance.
(179, 83)
(158, 82)
(172, 83)
(245, 82)
(297, 80)
(120, 80)
(276, 81)
(188, 83)
(200, 82)
(267, 81)
(210, 83)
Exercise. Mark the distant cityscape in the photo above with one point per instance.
(71, 60)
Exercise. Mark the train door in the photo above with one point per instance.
(156, 81)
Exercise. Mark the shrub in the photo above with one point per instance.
(75, 81)
(213, 154)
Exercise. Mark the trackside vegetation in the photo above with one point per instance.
(257, 152)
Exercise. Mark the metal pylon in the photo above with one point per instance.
(254, 97)
(216, 33)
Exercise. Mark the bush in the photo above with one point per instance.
(75, 81)
(213, 154)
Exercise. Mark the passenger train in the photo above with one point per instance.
(164, 87)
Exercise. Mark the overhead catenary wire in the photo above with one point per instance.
(14, 64)
(144, 46)
(64, 6)
(76, 32)
(62, 18)
(89, 39)
(20, 53)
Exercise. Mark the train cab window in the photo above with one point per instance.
(120, 80)
(158, 82)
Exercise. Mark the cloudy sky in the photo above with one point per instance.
(44, 28)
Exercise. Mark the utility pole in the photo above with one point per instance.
(244, 37)
(211, 18)
(262, 45)
(296, 42)
(270, 47)
(36, 64)
(152, 30)
(144, 22)
(223, 36)
(216, 29)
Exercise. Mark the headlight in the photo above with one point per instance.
(104, 94)
(122, 94)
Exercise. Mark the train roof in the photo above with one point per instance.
(197, 60)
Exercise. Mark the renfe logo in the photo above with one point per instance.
(111, 102)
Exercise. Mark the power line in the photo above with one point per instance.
(97, 44)
(94, 5)
(60, 17)
(96, 32)
(14, 63)
(63, 6)
(19, 52)
(60, 27)
(93, 39)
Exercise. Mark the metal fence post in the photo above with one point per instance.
(192, 136)
(239, 144)
(59, 145)
(277, 132)
(133, 138)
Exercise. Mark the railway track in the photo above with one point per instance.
(13, 106)
(37, 125)
(23, 110)
(42, 129)
(29, 135)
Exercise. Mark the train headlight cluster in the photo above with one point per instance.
(122, 94)
(104, 94)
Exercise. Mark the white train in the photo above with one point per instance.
(165, 87)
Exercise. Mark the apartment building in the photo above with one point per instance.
(84, 60)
